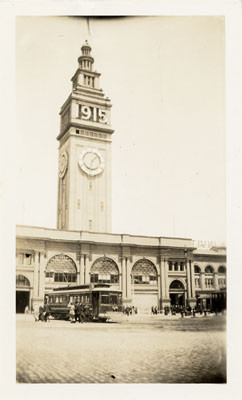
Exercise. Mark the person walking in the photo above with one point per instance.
(87, 312)
(82, 308)
(35, 313)
(72, 313)
(41, 313)
(78, 316)
(47, 313)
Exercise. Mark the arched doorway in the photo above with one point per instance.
(144, 285)
(177, 293)
(22, 293)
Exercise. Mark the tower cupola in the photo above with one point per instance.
(86, 60)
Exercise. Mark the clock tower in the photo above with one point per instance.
(84, 178)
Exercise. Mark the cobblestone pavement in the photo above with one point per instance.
(139, 350)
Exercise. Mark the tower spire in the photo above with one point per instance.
(88, 27)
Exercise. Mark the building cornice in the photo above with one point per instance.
(93, 238)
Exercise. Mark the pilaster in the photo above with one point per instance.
(36, 276)
(216, 285)
(87, 269)
(82, 269)
(193, 295)
(78, 264)
(191, 298)
(202, 280)
(167, 295)
(128, 272)
(122, 275)
(43, 257)
(164, 286)
(188, 280)
(159, 288)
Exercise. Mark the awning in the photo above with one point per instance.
(204, 296)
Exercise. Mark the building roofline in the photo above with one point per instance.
(102, 233)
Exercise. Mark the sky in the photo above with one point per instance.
(165, 77)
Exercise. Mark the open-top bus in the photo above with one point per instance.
(102, 301)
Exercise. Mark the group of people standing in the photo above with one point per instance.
(154, 310)
(79, 312)
(130, 310)
(43, 313)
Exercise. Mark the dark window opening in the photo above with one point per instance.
(64, 277)
(113, 299)
(105, 299)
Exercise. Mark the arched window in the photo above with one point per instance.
(22, 281)
(144, 272)
(222, 270)
(104, 270)
(209, 269)
(197, 269)
(176, 285)
(61, 268)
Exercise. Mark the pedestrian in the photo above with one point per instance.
(83, 317)
(152, 310)
(35, 313)
(86, 312)
(41, 313)
(72, 313)
(76, 304)
(78, 315)
(194, 312)
(47, 313)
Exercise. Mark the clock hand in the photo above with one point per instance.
(95, 157)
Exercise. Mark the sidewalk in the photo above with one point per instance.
(136, 318)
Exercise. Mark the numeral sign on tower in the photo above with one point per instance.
(91, 114)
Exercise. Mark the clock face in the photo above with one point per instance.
(63, 162)
(91, 161)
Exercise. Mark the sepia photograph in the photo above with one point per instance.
(121, 272)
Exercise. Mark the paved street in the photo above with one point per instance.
(148, 349)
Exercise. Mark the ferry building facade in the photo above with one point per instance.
(150, 271)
